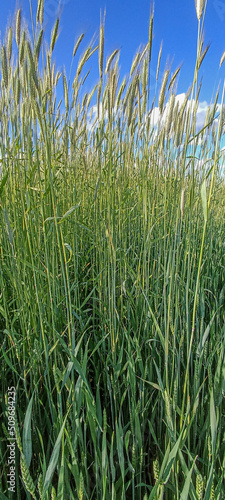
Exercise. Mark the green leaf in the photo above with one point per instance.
(92, 422)
(54, 459)
(185, 491)
(138, 430)
(70, 366)
(205, 336)
(119, 444)
(27, 441)
(3, 312)
(3, 497)
(92, 410)
(68, 213)
(104, 451)
(209, 484)
(72, 462)
(218, 380)
(171, 460)
(112, 466)
(68, 247)
(3, 181)
(61, 481)
(157, 327)
(165, 459)
(204, 200)
(127, 437)
(96, 189)
(10, 364)
(98, 405)
(213, 423)
(10, 232)
(160, 387)
(80, 371)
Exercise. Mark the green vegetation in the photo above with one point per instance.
(112, 278)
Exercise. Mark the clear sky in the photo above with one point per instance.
(126, 27)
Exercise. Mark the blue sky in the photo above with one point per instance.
(126, 28)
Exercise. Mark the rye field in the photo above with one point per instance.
(112, 276)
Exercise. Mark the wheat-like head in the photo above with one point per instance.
(150, 33)
(77, 44)
(54, 35)
(173, 78)
(22, 47)
(27, 479)
(222, 58)
(199, 486)
(169, 115)
(4, 66)
(53, 493)
(66, 96)
(101, 47)
(159, 60)
(40, 484)
(182, 202)
(110, 59)
(156, 469)
(199, 5)
(168, 410)
(163, 90)
(202, 55)
(120, 92)
(9, 44)
(33, 73)
(40, 12)
(38, 44)
(135, 63)
(18, 27)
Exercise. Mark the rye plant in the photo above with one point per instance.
(111, 274)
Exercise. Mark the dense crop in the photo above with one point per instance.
(111, 276)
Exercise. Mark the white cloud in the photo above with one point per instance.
(157, 118)
(201, 114)
(180, 98)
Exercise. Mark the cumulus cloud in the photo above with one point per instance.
(156, 117)
(201, 114)
(203, 106)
